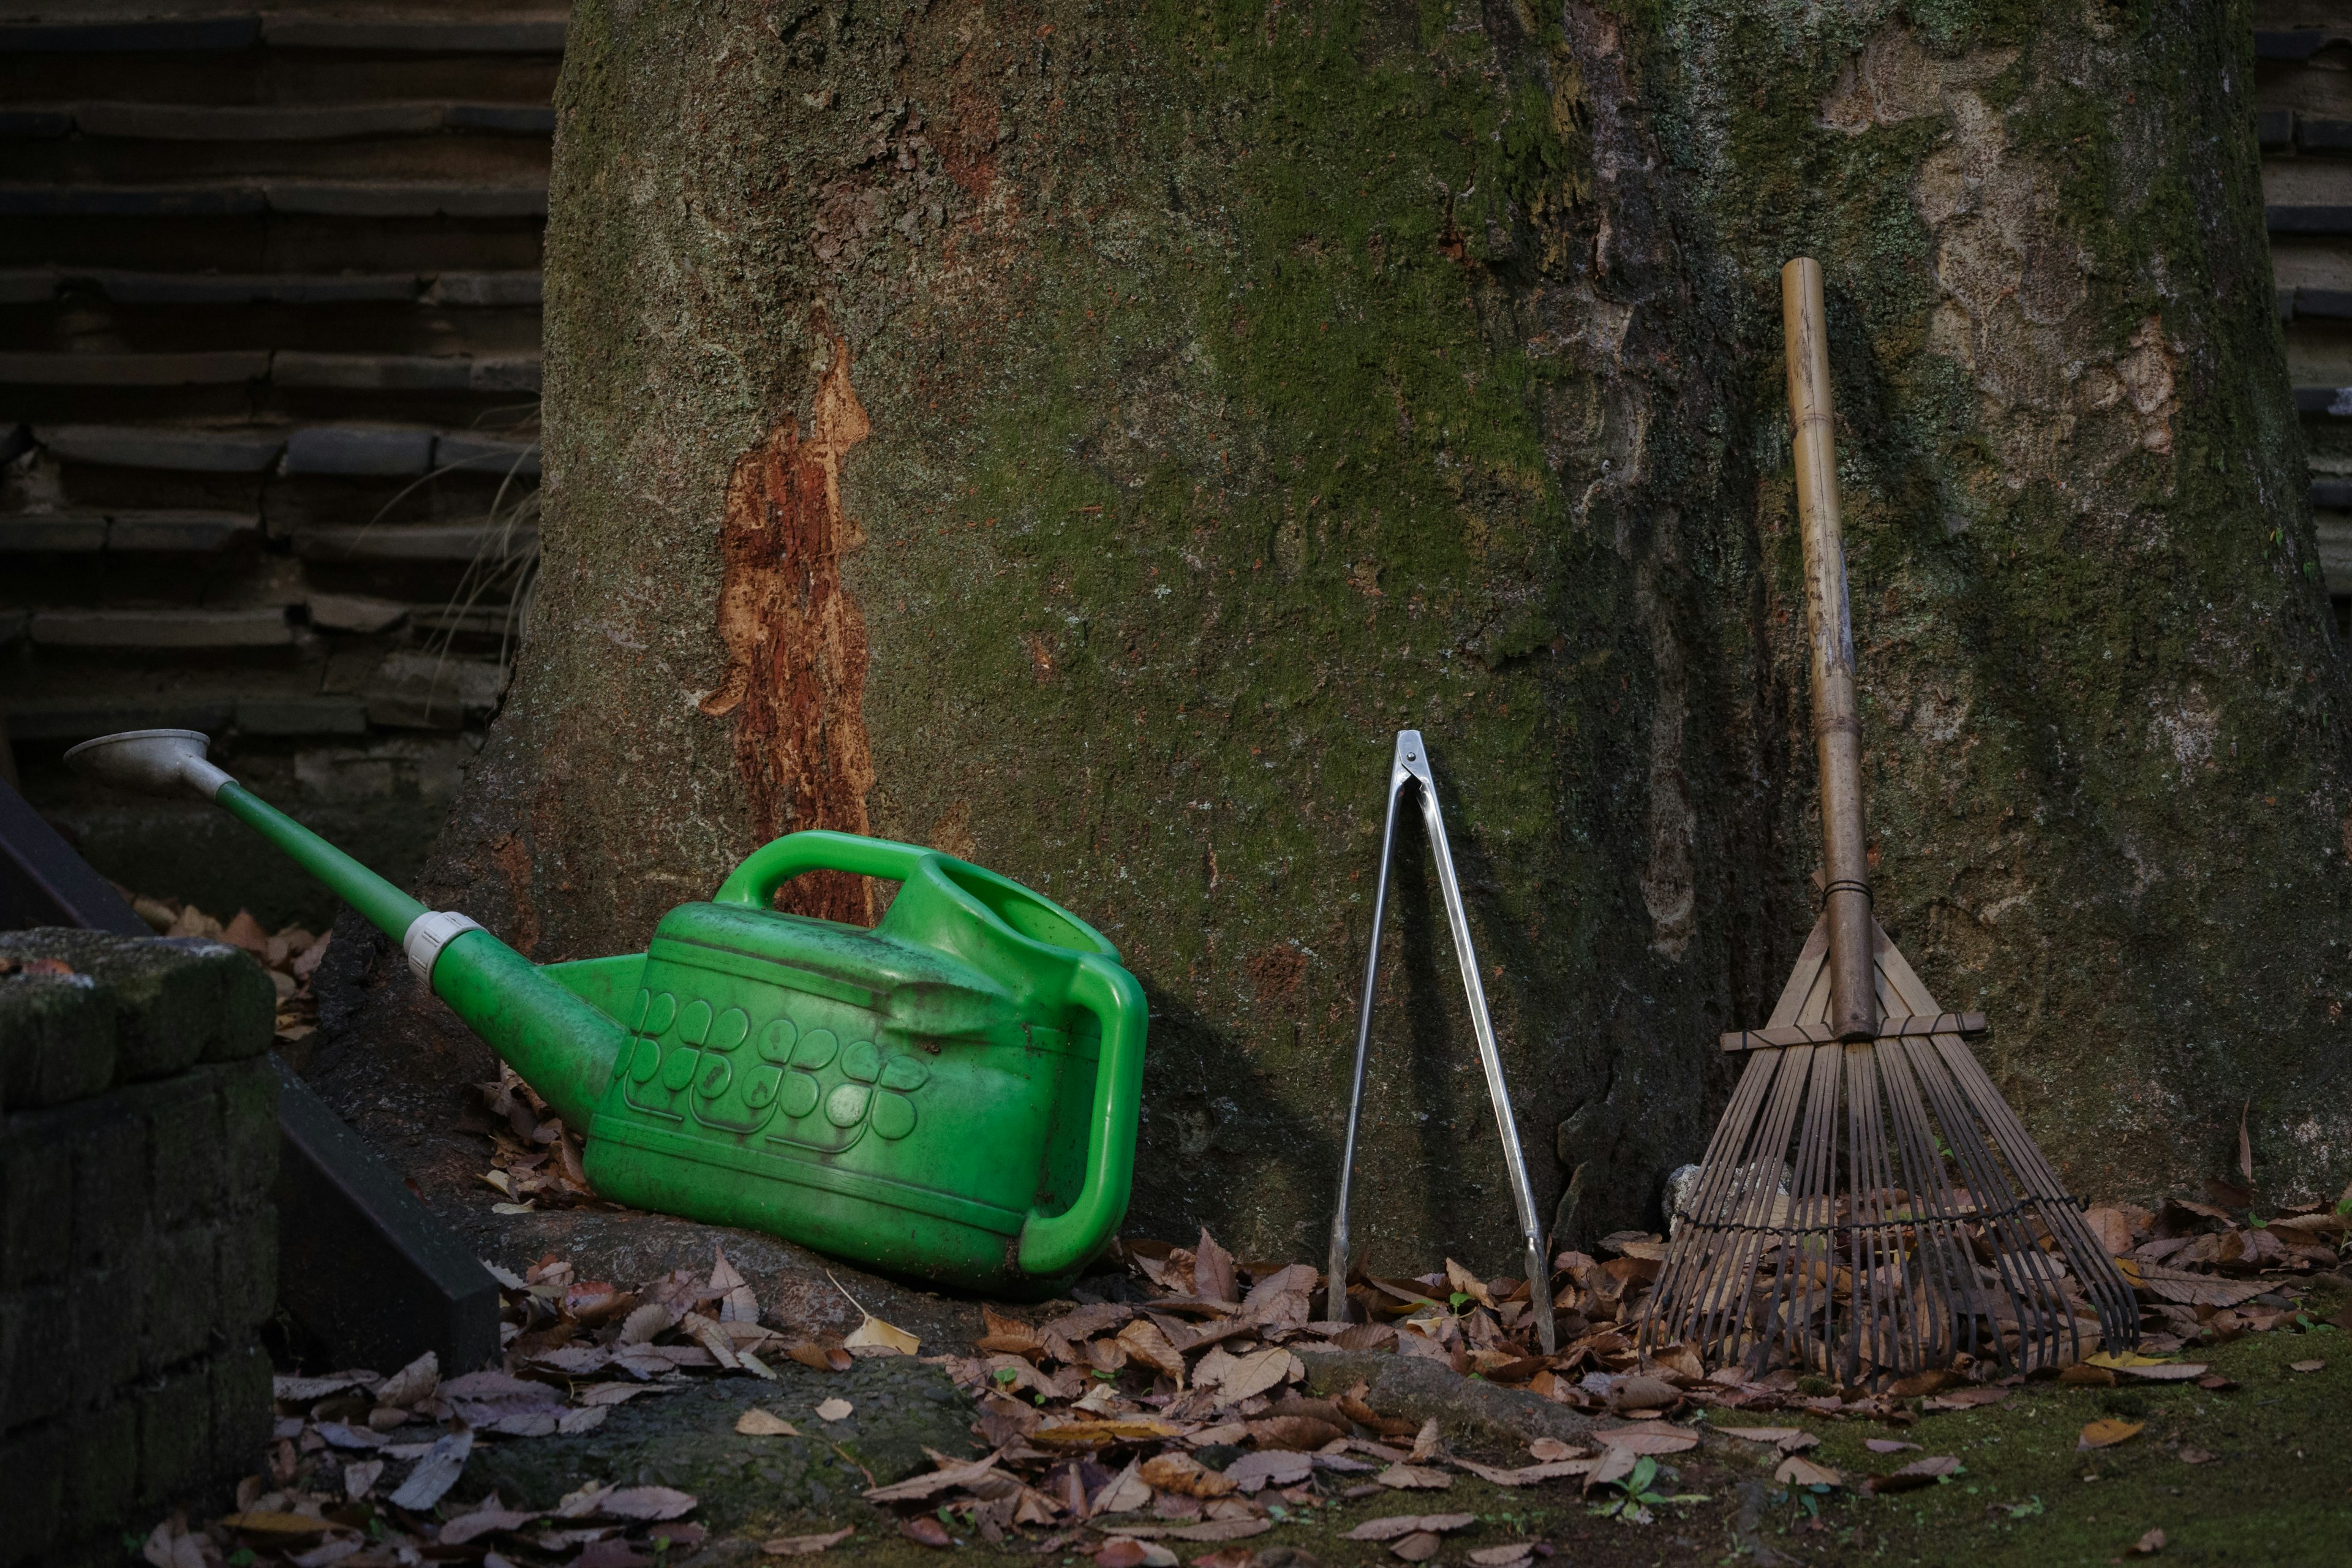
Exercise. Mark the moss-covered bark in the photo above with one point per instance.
(1235, 383)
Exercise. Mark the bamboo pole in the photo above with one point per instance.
(1837, 720)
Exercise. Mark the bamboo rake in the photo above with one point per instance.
(1869, 1205)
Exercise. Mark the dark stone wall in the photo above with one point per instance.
(138, 1244)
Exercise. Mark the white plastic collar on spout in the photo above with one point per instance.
(427, 934)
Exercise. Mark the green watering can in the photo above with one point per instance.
(950, 1096)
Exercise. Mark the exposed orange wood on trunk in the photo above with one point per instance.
(795, 640)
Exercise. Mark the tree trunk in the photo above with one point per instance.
(1078, 439)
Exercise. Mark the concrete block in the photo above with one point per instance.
(487, 289)
(113, 1187)
(219, 368)
(36, 1361)
(245, 1256)
(36, 1206)
(392, 199)
(243, 1411)
(52, 534)
(154, 447)
(57, 1039)
(389, 449)
(263, 628)
(249, 1092)
(179, 1288)
(188, 1166)
(102, 1470)
(175, 1434)
(174, 1000)
(487, 455)
(188, 533)
(32, 1495)
(225, 200)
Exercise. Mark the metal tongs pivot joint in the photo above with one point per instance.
(1409, 769)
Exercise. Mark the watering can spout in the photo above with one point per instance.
(563, 1047)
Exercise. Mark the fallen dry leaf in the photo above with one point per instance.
(1917, 1473)
(1650, 1437)
(1096, 1434)
(1525, 1475)
(2106, 1432)
(758, 1423)
(2190, 1456)
(1415, 1477)
(1212, 1271)
(1968, 1398)
(273, 1523)
(1390, 1526)
(1186, 1476)
(2167, 1372)
(1419, 1547)
(2152, 1543)
(648, 1504)
(2300, 1366)
(1125, 1552)
(804, 1545)
(1221, 1530)
(1510, 1555)
(1548, 1449)
(834, 1409)
(1886, 1445)
(925, 1531)
(1797, 1471)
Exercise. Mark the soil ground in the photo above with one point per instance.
(2277, 1489)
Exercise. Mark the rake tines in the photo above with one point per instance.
(1870, 1206)
(1870, 1210)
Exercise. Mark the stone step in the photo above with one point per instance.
(180, 628)
(414, 541)
(273, 123)
(200, 35)
(340, 448)
(286, 367)
(539, 34)
(325, 198)
(526, 35)
(140, 532)
(38, 285)
(2296, 44)
(79, 717)
(229, 451)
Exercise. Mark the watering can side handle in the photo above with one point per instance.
(754, 882)
(1057, 1244)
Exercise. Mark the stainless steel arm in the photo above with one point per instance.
(1410, 767)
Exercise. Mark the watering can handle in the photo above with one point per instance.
(754, 882)
(1062, 1243)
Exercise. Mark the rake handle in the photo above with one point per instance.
(1837, 715)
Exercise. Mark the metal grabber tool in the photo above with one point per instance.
(1409, 768)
